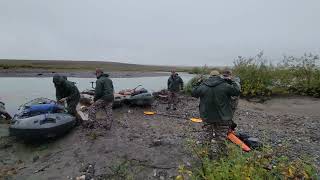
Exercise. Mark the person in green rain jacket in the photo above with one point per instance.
(103, 99)
(67, 91)
(175, 85)
(215, 107)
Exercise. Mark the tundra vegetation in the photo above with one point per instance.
(260, 78)
(265, 163)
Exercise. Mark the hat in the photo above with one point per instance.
(214, 73)
(227, 72)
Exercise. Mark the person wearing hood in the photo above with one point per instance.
(103, 98)
(227, 75)
(3, 111)
(66, 91)
(215, 108)
(175, 85)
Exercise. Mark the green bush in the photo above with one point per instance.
(293, 76)
(192, 83)
(264, 164)
(195, 70)
(304, 76)
(202, 70)
(4, 66)
(255, 74)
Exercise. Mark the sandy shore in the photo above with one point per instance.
(78, 74)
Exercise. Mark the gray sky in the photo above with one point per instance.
(167, 32)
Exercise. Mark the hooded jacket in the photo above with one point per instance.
(175, 83)
(65, 89)
(104, 88)
(215, 99)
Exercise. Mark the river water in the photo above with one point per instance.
(17, 91)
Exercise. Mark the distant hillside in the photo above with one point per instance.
(82, 65)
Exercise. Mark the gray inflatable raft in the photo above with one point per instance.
(142, 99)
(50, 121)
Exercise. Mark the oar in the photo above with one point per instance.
(197, 120)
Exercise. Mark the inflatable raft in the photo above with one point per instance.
(41, 118)
(140, 97)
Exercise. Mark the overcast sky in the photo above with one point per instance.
(167, 32)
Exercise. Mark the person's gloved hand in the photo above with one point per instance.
(233, 126)
(199, 81)
(63, 100)
(228, 79)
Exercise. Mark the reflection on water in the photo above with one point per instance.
(16, 91)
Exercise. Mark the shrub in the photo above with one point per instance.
(264, 164)
(255, 74)
(294, 75)
(195, 70)
(259, 78)
(202, 70)
(304, 76)
(192, 83)
(4, 66)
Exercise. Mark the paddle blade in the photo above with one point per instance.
(196, 120)
(233, 138)
(149, 113)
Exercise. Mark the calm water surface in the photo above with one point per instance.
(16, 91)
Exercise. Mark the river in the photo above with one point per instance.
(16, 91)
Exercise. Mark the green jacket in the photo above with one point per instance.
(65, 89)
(215, 99)
(104, 89)
(175, 83)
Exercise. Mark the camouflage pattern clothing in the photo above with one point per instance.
(3, 111)
(98, 105)
(103, 100)
(234, 103)
(214, 132)
(235, 99)
(172, 100)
